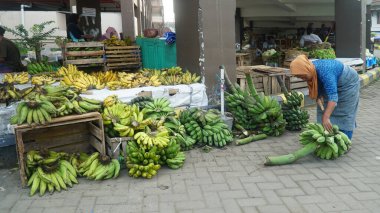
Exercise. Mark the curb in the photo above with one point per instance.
(365, 80)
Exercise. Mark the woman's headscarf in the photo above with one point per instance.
(302, 66)
(110, 30)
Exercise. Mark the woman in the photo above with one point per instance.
(335, 84)
(109, 33)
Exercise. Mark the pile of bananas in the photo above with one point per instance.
(188, 78)
(9, 93)
(114, 41)
(42, 80)
(39, 67)
(99, 167)
(160, 107)
(159, 138)
(76, 159)
(105, 77)
(206, 127)
(111, 100)
(38, 112)
(296, 118)
(253, 111)
(141, 162)
(82, 81)
(178, 131)
(315, 139)
(172, 76)
(141, 101)
(172, 155)
(123, 120)
(16, 78)
(70, 70)
(48, 171)
(329, 145)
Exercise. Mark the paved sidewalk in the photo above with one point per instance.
(232, 180)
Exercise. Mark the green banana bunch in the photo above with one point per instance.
(141, 101)
(329, 145)
(176, 162)
(99, 167)
(38, 112)
(76, 159)
(141, 162)
(206, 127)
(84, 105)
(174, 125)
(296, 118)
(160, 107)
(172, 155)
(39, 67)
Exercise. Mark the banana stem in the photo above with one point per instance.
(251, 86)
(229, 83)
(282, 85)
(292, 157)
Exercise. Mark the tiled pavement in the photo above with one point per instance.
(233, 180)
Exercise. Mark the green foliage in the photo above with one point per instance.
(32, 38)
(322, 54)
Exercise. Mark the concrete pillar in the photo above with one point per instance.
(350, 17)
(128, 18)
(206, 37)
(90, 25)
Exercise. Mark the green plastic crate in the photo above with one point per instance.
(156, 54)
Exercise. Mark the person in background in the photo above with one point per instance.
(109, 33)
(73, 31)
(309, 38)
(335, 84)
(10, 58)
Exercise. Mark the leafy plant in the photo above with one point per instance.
(32, 38)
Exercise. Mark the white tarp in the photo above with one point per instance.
(193, 95)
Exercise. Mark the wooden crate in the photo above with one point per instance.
(114, 146)
(123, 57)
(294, 83)
(74, 133)
(84, 58)
(263, 77)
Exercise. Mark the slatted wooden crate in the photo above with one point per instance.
(265, 82)
(116, 146)
(84, 54)
(74, 133)
(294, 83)
(123, 57)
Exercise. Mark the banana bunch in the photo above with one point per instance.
(236, 102)
(160, 107)
(206, 127)
(38, 112)
(186, 142)
(105, 77)
(83, 82)
(173, 71)
(125, 119)
(48, 171)
(99, 167)
(76, 159)
(268, 114)
(110, 101)
(148, 139)
(42, 80)
(141, 162)
(9, 93)
(329, 145)
(188, 78)
(114, 41)
(174, 125)
(17, 78)
(141, 101)
(296, 118)
(69, 71)
(153, 81)
(171, 79)
(39, 67)
(83, 105)
(172, 155)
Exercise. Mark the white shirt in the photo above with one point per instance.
(310, 38)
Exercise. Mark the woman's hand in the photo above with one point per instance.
(327, 123)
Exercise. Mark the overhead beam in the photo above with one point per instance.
(302, 10)
(288, 7)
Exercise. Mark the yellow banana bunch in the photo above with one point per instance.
(159, 138)
(110, 101)
(85, 82)
(42, 80)
(105, 77)
(70, 70)
(17, 78)
(154, 81)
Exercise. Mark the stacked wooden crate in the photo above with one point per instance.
(84, 54)
(123, 57)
